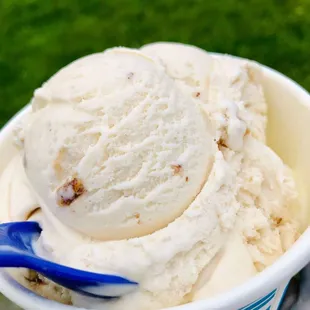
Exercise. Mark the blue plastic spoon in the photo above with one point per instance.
(16, 251)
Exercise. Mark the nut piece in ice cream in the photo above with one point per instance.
(177, 169)
(69, 192)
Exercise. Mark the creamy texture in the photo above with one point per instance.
(117, 123)
(229, 89)
(152, 164)
(225, 271)
(268, 196)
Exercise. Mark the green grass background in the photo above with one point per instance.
(39, 37)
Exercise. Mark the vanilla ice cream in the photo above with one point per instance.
(116, 124)
(152, 164)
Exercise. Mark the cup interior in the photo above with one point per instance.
(287, 132)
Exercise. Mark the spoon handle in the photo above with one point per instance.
(16, 240)
(11, 259)
(83, 282)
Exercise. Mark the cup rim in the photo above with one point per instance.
(282, 270)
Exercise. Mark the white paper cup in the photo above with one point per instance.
(288, 130)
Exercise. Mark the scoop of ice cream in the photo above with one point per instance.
(230, 91)
(229, 88)
(113, 147)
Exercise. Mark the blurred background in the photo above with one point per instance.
(38, 37)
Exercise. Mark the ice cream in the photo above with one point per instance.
(152, 164)
(115, 125)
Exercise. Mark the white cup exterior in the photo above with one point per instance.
(289, 121)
